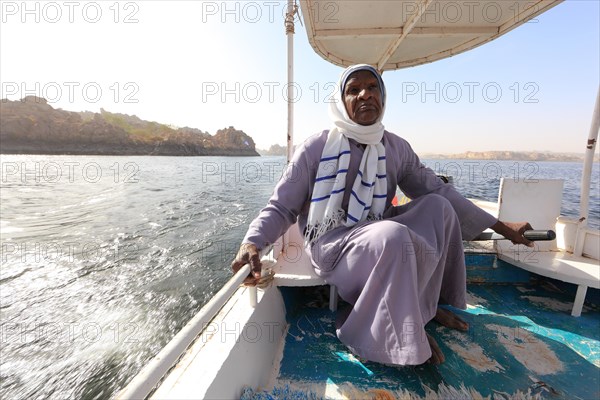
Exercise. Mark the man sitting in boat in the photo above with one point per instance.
(393, 265)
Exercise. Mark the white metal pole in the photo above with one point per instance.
(289, 30)
(586, 178)
(589, 161)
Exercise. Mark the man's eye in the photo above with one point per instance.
(352, 90)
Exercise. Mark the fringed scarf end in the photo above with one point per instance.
(313, 232)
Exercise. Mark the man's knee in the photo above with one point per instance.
(437, 201)
(440, 203)
(394, 240)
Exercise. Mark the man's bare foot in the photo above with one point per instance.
(437, 357)
(450, 320)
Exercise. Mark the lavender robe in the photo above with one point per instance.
(393, 272)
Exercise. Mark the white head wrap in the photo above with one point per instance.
(369, 190)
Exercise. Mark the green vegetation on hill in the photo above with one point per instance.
(32, 126)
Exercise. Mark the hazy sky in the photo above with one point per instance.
(209, 65)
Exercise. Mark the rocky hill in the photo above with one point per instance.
(32, 126)
(274, 150)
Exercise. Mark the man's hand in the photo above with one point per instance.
(248, 253)
(513, 231)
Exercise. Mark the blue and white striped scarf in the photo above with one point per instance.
(369, 190)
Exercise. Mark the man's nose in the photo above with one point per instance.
(364, 94)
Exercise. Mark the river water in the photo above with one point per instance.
(104, 259)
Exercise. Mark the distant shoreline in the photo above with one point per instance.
(510, 156)
(277, 150)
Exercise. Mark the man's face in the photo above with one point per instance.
(362, 98)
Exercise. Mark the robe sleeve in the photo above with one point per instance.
(415, 180)
(290, 197)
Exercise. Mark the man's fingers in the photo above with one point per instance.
(524, 240)
(256, 265)
(239, 262)
(236, 265)
(528, 242)
(248, 254)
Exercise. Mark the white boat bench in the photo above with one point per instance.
(293, 266)
(538, 201)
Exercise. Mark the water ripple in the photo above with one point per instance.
(98, 276)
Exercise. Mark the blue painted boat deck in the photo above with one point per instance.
(522, 338)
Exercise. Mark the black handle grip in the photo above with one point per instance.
(533, 235)
(537, 235)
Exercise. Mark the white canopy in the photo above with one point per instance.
(392, 34)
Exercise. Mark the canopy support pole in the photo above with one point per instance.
(292, 9)
(412, 21)
(587, 177)
(289, 30)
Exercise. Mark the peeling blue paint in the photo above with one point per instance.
(320, 358)
(350, 358)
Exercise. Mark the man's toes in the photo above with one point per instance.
(460, 324)
(437, 357)
(450, 320)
